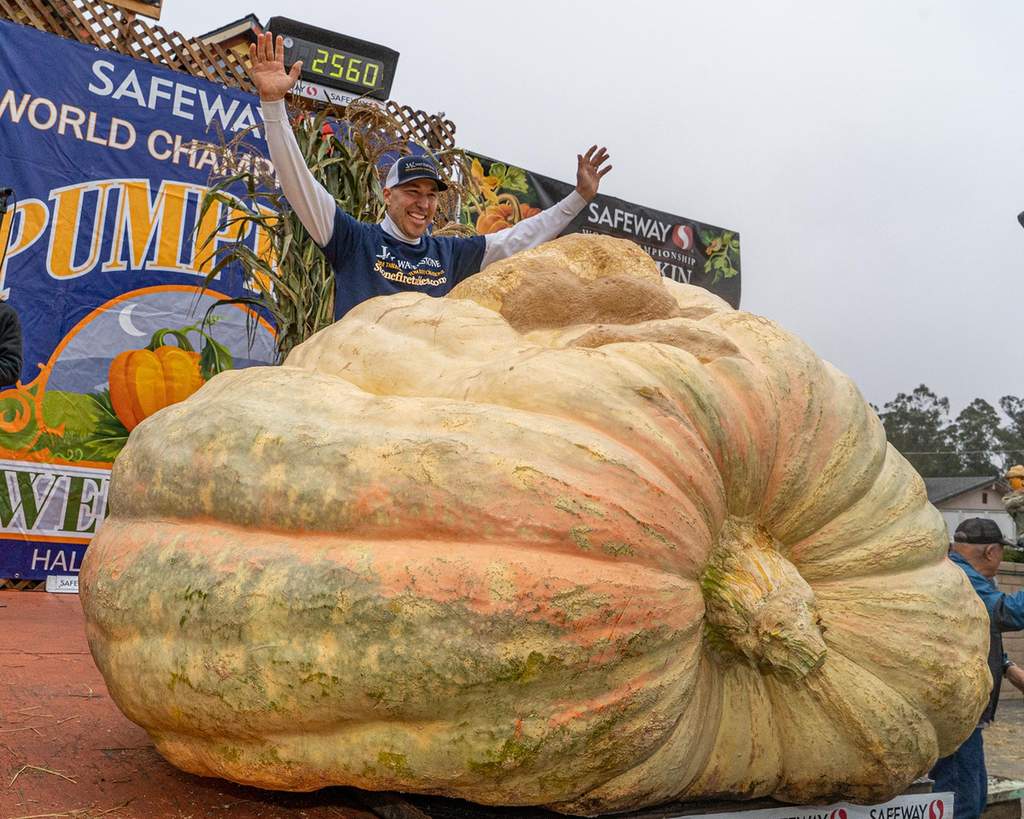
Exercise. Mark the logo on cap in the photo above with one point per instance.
(408, 168)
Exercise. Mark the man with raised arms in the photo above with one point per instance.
(399, 253)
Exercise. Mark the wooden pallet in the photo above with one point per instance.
(22, 585)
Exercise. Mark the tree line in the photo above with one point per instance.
(981, 440)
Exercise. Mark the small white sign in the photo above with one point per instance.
(62, 583)
(315, 91)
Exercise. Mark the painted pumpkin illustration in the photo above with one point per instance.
(144, 381)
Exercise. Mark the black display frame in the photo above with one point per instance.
(302, 40)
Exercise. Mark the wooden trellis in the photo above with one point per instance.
(22, 585)
(114, 29)
(431, 129)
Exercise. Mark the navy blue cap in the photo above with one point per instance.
(408, 168)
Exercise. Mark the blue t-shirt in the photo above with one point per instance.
(367, 262)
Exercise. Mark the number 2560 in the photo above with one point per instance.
(333, 65)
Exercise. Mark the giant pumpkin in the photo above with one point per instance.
(574, 536)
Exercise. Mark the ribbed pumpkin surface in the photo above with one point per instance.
(471, 546)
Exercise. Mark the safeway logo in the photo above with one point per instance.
(936, 809)
(838, 813)
(682, 237)
(636, 224)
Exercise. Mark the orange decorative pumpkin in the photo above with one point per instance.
(501, 216)
(577, 536)
(494, 218)
(144, 381)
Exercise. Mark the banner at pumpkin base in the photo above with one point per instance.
(685, 250)
(103, 263)
(905, 806)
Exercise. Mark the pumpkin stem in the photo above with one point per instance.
(758, 607)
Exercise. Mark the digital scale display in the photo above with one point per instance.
(335, 60)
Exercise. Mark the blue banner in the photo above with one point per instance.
(109, 158)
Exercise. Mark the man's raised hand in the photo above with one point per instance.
(589, 171)
(266, 69)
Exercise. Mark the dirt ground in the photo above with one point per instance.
(1004, 741)
(66, 751)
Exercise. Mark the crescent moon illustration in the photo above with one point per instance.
(125, 320)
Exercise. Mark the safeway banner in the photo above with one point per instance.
(907, 806)
(101, 254)
(684, 249)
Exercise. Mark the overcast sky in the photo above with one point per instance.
(871, 154)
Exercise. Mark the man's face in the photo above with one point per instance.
(412, 206)
(984, 557)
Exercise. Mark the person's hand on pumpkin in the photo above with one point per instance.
(266, 68)
(589, 171)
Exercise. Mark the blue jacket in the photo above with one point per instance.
(1005, 613)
